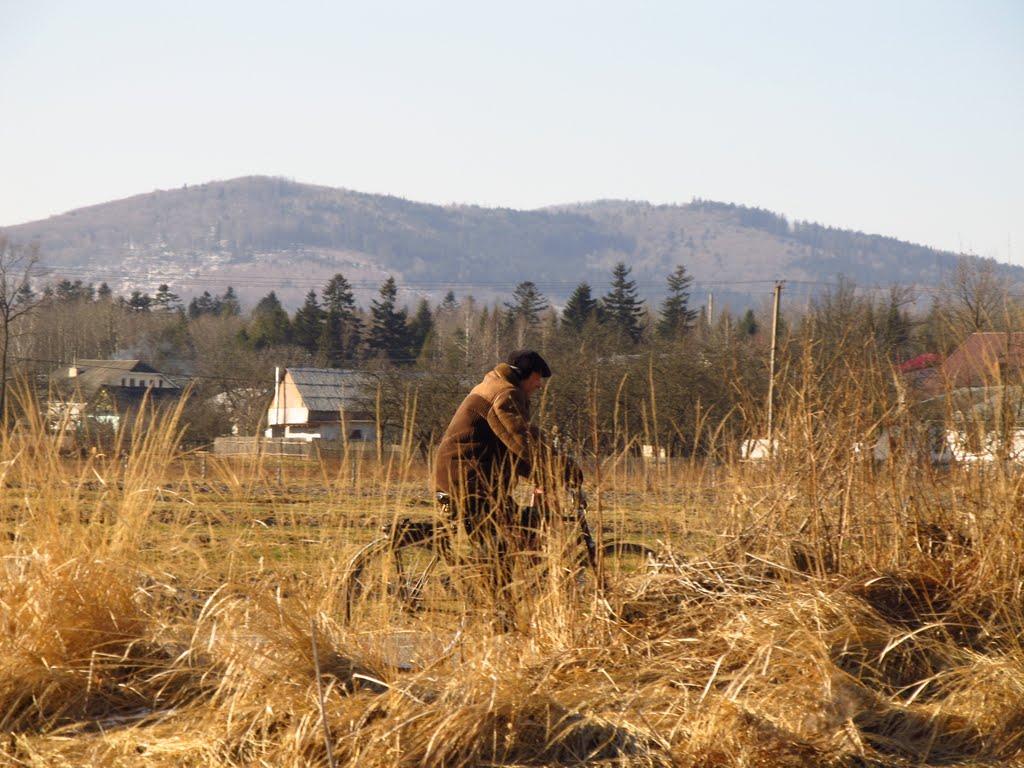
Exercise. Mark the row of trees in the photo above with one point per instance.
(66, 291)
(332, 328)
(621, 309)
(613, 345)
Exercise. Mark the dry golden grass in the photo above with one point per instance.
(812, 612)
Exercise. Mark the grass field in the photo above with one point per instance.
(162, 610)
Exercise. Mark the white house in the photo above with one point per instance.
(107, 392)
(987, 423)
(322, 404)
(758, 449)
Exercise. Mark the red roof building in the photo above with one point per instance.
(985, 359)
(920, 363)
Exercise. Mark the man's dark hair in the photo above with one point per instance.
(527, 361)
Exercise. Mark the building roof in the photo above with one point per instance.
(93, 375)
(330, 389)
(921, 362)
(983, 357)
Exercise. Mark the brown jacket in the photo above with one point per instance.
(488, 441)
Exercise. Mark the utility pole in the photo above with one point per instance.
(711, 308)
(771, 366)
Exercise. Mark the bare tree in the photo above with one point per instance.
(16, 300)
(976, 298)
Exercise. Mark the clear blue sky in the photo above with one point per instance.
(904, 118)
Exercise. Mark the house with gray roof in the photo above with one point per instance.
(322, 404)
(107, 392)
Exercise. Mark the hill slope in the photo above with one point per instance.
(258, 233)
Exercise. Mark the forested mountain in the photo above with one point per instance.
(259, 232)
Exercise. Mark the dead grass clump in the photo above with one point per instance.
(903, 666)
(540, 701)
(911, 599)
(931, 737)
(73, 641)
(492, 707)
(687, 594)
(492, 725)
(823, 671)
(730, 735)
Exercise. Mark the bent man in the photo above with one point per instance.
(488, 444)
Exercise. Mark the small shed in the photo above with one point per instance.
(323, 404)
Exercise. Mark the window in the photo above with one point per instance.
(131, 382)
(355, 434)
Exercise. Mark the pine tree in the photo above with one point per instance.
(622, 305)
(165, 300)
(748, 326)
(104, 293)
(527, 303)
(228, 305)
(338, 297)
(676, 316)
(201, 305)
(25, 295)
(895, 332)
(269, 324)
(449, 304)
(140, 302)
(342, 329)
(420, 326)
(580, 308)
(389, 333)
(67, 291)
(308, 324)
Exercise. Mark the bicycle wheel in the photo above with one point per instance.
(616, 560)
(625, 558)
(404, 575)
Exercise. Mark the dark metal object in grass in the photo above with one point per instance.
(415, 565)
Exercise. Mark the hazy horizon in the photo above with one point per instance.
(902, 121)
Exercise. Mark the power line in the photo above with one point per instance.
(254, 280)
(257, 281)
(272, 282)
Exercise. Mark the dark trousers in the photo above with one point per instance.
(499, 530)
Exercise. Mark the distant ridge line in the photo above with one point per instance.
(261, 232)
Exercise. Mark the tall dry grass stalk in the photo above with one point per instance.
(815, 610)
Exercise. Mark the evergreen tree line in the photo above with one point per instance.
(332, 328)
(163, 300)
(334, 331)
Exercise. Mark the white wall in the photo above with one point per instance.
(287, 416)
(324, 431)
(959, 444)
